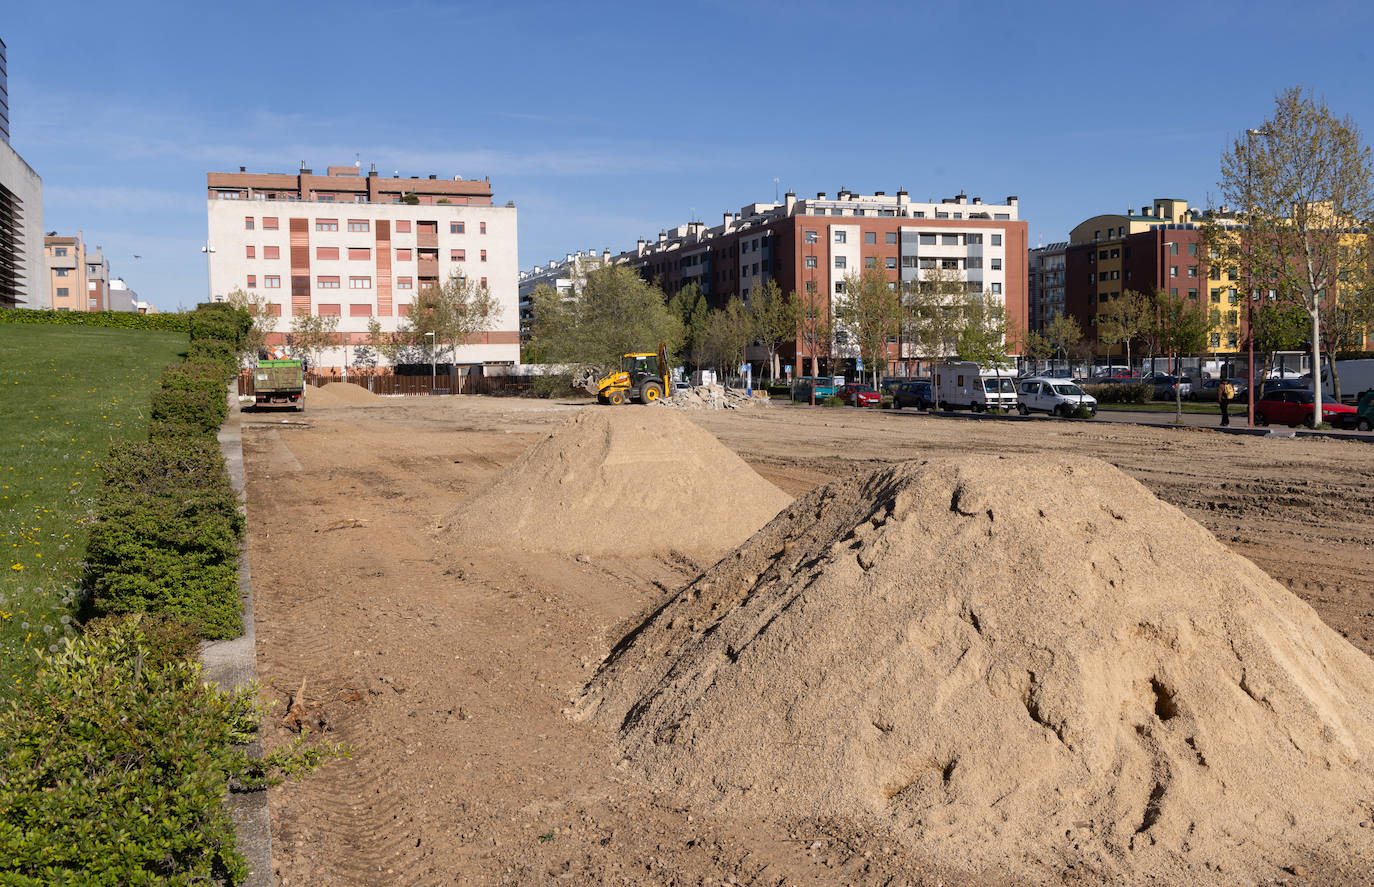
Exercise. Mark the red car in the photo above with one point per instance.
(858, 395)
(1293, 407)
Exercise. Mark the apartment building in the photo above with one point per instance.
(22, 281)
(361, 247)
(122, 298)
(565, 277)
(78, 278)
(809, 246)
(1045, 272)
(1158, 248)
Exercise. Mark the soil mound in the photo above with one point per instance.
(623, 481)
(336, 393)
(1023, 666)
(715, 397)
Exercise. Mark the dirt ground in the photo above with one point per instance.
(447, 669)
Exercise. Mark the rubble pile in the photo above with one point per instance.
(715, 397)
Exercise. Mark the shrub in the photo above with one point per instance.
(832, 401)
(1137, 392)
(116, 764)
(113, 319)
(166, 537)
(200, 409)
(1081, 413)
(556, 385)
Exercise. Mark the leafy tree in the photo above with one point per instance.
(1123, 318)
(1063, 334)
(1180, 325)
(931, 310)
(1038, 347)
(728, 331)
(311, 334)
(871, 312)
(775, 320)
(455, 312)
(814, 332)
(983, 332)
(688, 304)
(618, 312)
(264, 324)
(1305, 182)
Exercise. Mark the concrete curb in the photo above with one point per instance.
(233, 663)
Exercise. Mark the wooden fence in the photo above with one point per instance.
(387, 384)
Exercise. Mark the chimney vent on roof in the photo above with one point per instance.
(1012, 201)
(242, 169)
(879, 193)
(961, 198)
(977, 200)
(432, 177)
(820, 195)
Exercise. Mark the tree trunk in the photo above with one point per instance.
(1316, 367)
(1335, 377)
(813, 378)
(1178, 392)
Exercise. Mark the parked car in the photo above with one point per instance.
(1057, 397)
(1288, 383)
(1207, 391)
(1167, 387)
(914, 393)
(889, 384)
(1365, 411)
(859, 395)
(801, 388)
(1293, 407)
(1114, 380)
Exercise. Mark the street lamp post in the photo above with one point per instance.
(433, 367)
(209, 286)
(1250, 273)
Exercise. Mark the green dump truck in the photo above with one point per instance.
(279, 382)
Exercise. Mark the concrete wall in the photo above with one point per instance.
(26, 186)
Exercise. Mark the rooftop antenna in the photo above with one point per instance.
(775, 189)
(357, 161)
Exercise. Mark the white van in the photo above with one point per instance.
(1058, 397)
(1357, 377)
(967, 386)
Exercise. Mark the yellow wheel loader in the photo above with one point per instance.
(642, 377)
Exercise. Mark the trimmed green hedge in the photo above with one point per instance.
(166, 537)
(1137, 392)
(115, 764)
(128, 320)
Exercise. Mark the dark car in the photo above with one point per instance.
(1293, 407)
(1288, 383)
(1168, 387)
(915, 393)
(1207, 390)
(1365, 411)
(858, 395)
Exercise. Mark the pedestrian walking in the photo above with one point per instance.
(1225, 392)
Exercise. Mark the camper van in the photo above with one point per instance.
(1357, 377)
(967, 386)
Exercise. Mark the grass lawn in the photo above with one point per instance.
(67, 393)
(1167, 406)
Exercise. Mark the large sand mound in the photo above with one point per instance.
(1022, 666)
(337, 393)
(623, 481)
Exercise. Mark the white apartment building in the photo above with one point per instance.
(566, 277)
(361, 248)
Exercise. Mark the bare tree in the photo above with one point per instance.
(1305, 184)
(871, 312)
(264, 324)
(931, 312)
(1181, 327)
(311, 334)
(814, 332)
(775, 320)
(728, 332)
(1123, 318)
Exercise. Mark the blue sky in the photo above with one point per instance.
(608, 122)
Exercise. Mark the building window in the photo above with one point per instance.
(252, 281)
(326, 253)
(403, 226)
(1192, 294)
(249, 253)
(840, 261)
(1192, 249)
(1216, 295)
(1173, 291)
(927, 240)
(269, 223)
(329, 309)
(59, 251)
(871, 238)
(326, 224)
(62, 292)
(1215, 339)
(248, 223)
(405, 283)
(949, 239)
(1192, 271)
(484, 255)
(810, 261)
(891, 238)
(1173, 270)
(327, 282)
(457, 255)
(359, 226)
(1102, 275)
(811, 237)
(839, 286)
(996, 240)
(273, 309)
(1173, 249)
(997, 289)
(271, 252)
(870, 261)
(455, 227)
(271, 282)
(941, 215)
(403, 309)
(360, 283)
(996, 264)
(811, 287)
(62, 272)
(891, 263)
(1231, 298)
(325, 198)
(481, 227)
(840, 236)
(973, 239)
(483, 284)
(359, 254)
(356, 310)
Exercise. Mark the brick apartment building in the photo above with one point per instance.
(1158, 248)
(361, 247)
(809, 245)
(78, 278)
(22, 281)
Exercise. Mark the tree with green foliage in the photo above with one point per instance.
(1038, 347)
(982, 336)
(729, 331)
(617, 313)
(775, 320)
(814, 333)
(264, 324)
(931, 313)
(456, 312)
(1180, 326)
(311, 335)
(1305, 183)
(1123, 318)
(870, 311)
(689, 305)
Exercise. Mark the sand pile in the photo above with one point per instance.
(336, 393)
(622, 481)
(715, 397)
(1017, 665)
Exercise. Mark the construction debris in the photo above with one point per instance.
(716, 397)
